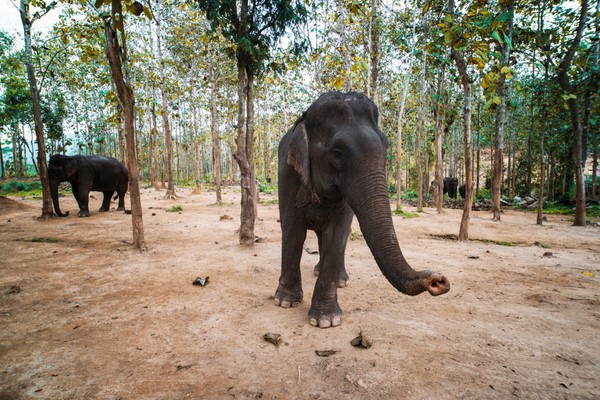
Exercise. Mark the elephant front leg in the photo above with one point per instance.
(324, 310)
(83, 197)
(289, 292)
(344, 277)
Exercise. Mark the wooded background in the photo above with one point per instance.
(217, 83)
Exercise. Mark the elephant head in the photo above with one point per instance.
(339, 152)
(60, 168)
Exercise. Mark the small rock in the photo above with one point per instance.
(273, 338)
(548, 254)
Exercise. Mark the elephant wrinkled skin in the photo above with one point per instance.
(88, 173)
(332, 167)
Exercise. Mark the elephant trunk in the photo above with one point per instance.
(54, 193)
(369, 199)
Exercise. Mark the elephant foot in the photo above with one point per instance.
(342, 282)
(120, 208)
(325, 317)
(83, 214)
(103, 209)
(287, 298)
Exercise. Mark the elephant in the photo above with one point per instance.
(87, 173)
(332, 167)
(450, 186)
(462, 189)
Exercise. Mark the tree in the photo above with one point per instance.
(466, 82)
(254, 26)
(570, 97)
(27, 21)
(116, 54)
(505, 43)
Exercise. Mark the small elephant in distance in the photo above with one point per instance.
(88, 173)
(332, 167)
(450, 186)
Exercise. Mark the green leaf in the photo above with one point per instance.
(147, 13)
(496, 36)
(507, 40)
(496, 100)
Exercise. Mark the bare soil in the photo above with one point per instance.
(84, 316)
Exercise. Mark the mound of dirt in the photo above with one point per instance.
(9, 205)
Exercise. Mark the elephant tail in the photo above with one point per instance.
(116, 196)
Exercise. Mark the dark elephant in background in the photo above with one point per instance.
(87, 173)
(332, 167)
(450, 186)
(462, 189)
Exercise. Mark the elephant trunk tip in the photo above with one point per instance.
(438, 284)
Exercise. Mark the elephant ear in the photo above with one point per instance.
(298, 153)
(71, 166)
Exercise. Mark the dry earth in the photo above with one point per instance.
(83, 316)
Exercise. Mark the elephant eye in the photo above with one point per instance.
(337, 153)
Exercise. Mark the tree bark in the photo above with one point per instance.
(47, 210)
(419, 129)
(165, 110)
(578, 151)
(214, 128)
(466, 82)
(114, 52)
(501, 117)
(440, 122)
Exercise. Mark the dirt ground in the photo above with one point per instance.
(83, 316)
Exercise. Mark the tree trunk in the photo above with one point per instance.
(466, 82)
(420, 123)
(114, 52)
(374, 51)
(37, 112)
(440, 122)
(578, 151)
(170, 194)
(214, 129)
(501, 118)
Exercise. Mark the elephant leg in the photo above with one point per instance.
(325, 310)
(121, 190)
(344, 277)
(289, 292)
(106, 201)
(75, 191)
(83, 196)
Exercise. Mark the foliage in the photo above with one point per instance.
(404, 213)
(13, 186)
(175, 208)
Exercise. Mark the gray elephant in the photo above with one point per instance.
(87, 173)
(331, 167)
(450, 186)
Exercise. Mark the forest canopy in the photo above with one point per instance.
(183, 65)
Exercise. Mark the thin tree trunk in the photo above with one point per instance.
(440, 122)
(47, 208)
(461, 65)
(170, 194)
(578, 151)
(420, 123)
(501, 118)
(214, 128)
(374, 51)
(114, 52)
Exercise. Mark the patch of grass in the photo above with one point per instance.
(356, 235)
(405, 214)
(499, 242)
(269, 202)
(175, 208)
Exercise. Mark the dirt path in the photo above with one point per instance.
(83, 316)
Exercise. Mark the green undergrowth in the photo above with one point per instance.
(406, 214)
(175, 208)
